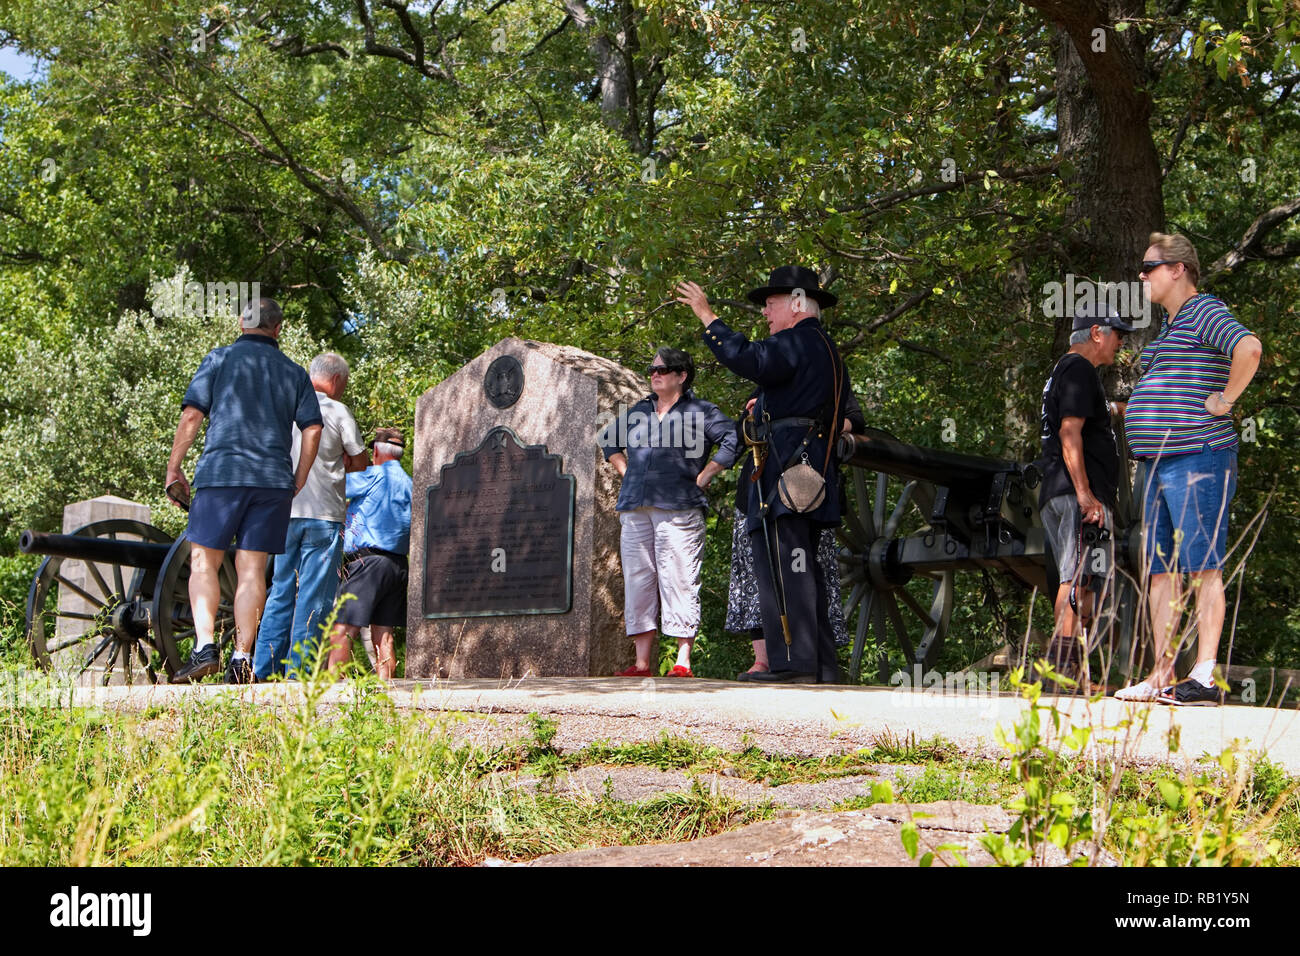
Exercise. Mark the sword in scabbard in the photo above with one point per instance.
(749, 431)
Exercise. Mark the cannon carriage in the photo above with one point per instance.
(917, 516)
(122, 597)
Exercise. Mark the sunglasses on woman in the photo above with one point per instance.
(663, 369)
(1149, 265)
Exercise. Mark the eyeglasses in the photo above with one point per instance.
(1150, 265)
(663, 369)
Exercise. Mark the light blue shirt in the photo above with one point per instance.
(379, 509)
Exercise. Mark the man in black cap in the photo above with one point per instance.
(1080, 478)
(800, 403)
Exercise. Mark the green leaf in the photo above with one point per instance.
(1059, 834)
(911, 838)
(1078, 738)
(1171, 792)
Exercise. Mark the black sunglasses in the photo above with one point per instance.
(663, 369)
(1149, 265)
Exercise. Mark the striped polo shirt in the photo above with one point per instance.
(1187, 361)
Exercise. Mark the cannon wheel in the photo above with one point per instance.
(170, 615)
(917, 612)
(114, 627)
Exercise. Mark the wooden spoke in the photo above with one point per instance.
(855, 598)
(117, 571)
(904, 498)
(882, 486)
(860, 633)
(864, 505)
(79, 590)
(108, 639)
(915, 605)
(108, 666)
(71, 641)
(99, 580)
(146, 662)
(900, 628)
(878, 619)
(852, 532)
(78, 616)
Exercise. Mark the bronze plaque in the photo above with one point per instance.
(498, 533)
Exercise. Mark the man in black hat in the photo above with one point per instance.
(800, 402)
(1080, 482)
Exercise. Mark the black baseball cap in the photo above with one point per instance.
(1085, 317)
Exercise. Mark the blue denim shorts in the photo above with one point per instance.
(256, 518)
(1185, 510)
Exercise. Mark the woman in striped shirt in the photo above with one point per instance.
(1179, 419)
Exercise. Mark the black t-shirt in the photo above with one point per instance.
(1074, 391)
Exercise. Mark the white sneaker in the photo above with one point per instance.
(1141, 692)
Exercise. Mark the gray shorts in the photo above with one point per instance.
(1061, 520)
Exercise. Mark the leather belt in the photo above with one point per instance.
(364, 552)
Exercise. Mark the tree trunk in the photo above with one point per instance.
(1109, 157)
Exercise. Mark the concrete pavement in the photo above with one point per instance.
(799, 718)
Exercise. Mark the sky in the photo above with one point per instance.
(16, 64)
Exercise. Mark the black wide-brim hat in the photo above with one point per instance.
(788, 278)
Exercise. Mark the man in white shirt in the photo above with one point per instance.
(306, 575)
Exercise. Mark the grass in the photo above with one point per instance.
(219, 782)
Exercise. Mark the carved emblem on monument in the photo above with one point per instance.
(499, 532)
(504, 381)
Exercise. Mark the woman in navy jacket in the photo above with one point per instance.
(659, 447)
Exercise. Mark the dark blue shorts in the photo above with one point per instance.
(256, 518)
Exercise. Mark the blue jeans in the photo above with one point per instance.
(301, 596)
(1185, 510)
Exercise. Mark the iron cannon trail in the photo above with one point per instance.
(917, 516)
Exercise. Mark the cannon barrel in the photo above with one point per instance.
(134, 554)
(875, 450)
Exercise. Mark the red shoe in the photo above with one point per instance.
(634, 671)
(680, 671)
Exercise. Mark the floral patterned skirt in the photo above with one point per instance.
(742, 601)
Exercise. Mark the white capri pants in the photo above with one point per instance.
(662, 553)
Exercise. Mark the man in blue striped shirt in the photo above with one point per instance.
(1179, 420)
